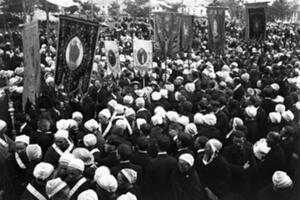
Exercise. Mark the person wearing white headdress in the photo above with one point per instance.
(218, 186)
(22, 141)
(36, 189)
(57, 189)
(185, 176)
(281, 188)
(88, 195)
(274, 160)
(16, 170)
(78, 117)
(62, 144)
(127, 196)
(64, 161)
(6, 147)
(90, 142)
(75, 179)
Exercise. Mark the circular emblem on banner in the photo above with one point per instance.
(74, 53)
(142, 56)
(112, 58)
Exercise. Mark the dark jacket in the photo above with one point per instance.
(274, 160)
(186, 186)
(158, 175)
(216, 176)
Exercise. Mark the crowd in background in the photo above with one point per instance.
(197, 126)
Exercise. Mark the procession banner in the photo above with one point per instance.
(75, 53)
(167, 34)
(142, 54)
(113, 57)
(256, 21)
(216, 28)
(187, 33)
(32, 70)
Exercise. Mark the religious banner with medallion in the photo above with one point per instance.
(187, 33)
(32, 70)
(75, 53)
(167, 34)
(112, 57)
(256, 21)
(142, 54)
(216, 28)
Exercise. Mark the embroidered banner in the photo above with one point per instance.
(112, 57)
(256, 21)
(167, 34)
(32, 70)
(216, 29)
(187, 33)
(75, 53)
(142, 54)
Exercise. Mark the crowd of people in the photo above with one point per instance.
(197, 126)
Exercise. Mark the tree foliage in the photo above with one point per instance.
(137, 8)
(173, 7)
(114, 9)
(280, 9)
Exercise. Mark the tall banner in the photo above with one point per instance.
(167, 34)
(142, 54)
(256, 21)
(216, 28)
(113, 57)
(32, 70)
(75, 53)
(187, 33)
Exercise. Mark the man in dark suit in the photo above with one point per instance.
(124, 152)
(142, 159)
(159, 171)
(109, 158)
(242, 163)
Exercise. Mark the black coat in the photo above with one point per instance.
(274, 160)
(109, 160)
(216, 176)
(210, 132)
(158, 176)
(85, 186)
(186, 186)
(27, 195)
(241, 179)
(268, 193)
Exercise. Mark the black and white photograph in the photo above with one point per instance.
(149, 99)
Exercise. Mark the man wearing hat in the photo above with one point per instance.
(75, 179)
(36, 189)
(62, 144)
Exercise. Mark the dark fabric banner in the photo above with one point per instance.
(257, 23)
(187, 33)
(167, 34)
(75, 53)
(216, 29)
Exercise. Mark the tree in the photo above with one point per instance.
(12, 6)
(137, 8)
(172, 7)
(280, 9)
(114, 9)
